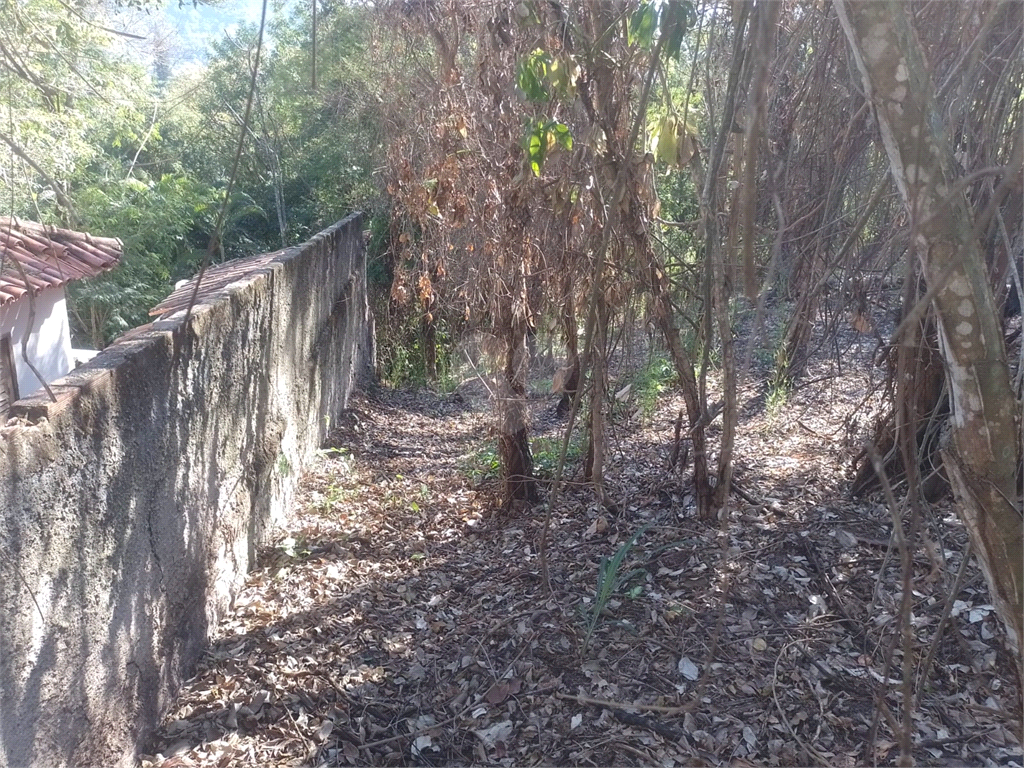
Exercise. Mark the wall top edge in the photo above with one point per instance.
(242, 272)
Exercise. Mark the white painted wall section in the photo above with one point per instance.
(49, 346)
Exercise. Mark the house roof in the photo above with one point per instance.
(216, 282)
(49, 256)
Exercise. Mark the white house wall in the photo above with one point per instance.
(49, 346)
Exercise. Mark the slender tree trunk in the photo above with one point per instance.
(983, 457)
(594, 466)
(513, 440)
(511, 323)
(279, 202)
(95, 329)
(570, 329)
(722, 292)
(717, 291)
(663, 317)
(428, 332)
(801, 324)
(312, 57)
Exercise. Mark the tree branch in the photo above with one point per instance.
(21, 152)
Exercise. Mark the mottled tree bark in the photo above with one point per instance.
(518, 483)
(983, 455)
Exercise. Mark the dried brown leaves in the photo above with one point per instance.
(401, 623)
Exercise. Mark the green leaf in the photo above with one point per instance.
(562, 135)
(541, 137)
(532, 75)
(536, 150)
(677, 18)
(642, 24)
(609, 581)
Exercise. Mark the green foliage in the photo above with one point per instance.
(483, 465)
(310, 153)
(541, 137)
(284, 466)
(379, 270)
(545, 452)
(680, 201)
(780, 384)
(333, 496)
(677, 19)
(637, 394)
(396, 363)
(672, 20)
(646, 385)
(610, 582)
(642, 25)
(163, 226)
(342, 465)
(69, 92)
(402, 350)
(531, 76)
(543, 76)
(101, 145)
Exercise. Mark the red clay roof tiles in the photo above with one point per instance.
(49, 256)
(215, 282)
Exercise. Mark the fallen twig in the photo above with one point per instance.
(609, 704)
(631, 718)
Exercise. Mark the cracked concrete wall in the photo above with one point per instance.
(132, 507)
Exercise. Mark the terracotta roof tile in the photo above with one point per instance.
(215, 282)
(49, 256)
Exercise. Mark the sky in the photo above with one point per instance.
(198, 26)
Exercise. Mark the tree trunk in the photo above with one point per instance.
(721, 292)
(983, 457)
(593, 468)
(428, 333)
(717, 290)
(570, 329)
(663, 317)
(801, 324)
(518, 483)
(923, 379)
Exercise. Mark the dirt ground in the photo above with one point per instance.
(404, 620)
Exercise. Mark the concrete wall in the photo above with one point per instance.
(131, 508)
(49, 345)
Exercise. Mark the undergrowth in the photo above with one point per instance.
(611, 582)
(638, 397)
(484, 465)
(402, 353)
(779, 384)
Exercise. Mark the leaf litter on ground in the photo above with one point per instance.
(401, 620)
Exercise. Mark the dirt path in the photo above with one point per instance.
(402, 623)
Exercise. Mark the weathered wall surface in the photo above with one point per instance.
(131, 508)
